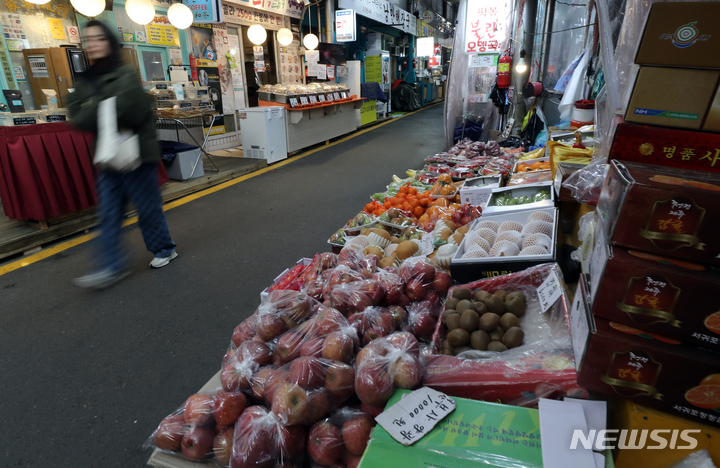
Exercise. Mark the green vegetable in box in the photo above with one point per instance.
(542, 195)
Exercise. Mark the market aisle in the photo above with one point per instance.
(86, 376)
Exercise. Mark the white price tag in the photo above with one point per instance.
(415, 415)
(330, 98)
(427, 243)
(304, 100)
(293, 102)
(549, 291)
(313, 100)
(477, 198)
(321, 98)
(336, 96)
(344, 95)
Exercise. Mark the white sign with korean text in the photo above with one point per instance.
(485, 26)
(276, 7)
(549, 291)
(415, 415)
(246, 16)
(345, 25)
(485, 60)
(383, 12)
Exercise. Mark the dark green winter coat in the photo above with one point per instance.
(133, 107)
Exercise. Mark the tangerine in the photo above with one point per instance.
(713, 379)
(704, 396)
(712, 323)
(418, 211)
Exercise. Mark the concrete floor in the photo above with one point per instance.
(86, 376)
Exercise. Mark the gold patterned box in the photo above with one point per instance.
(669, 212)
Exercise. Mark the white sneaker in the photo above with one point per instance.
(159, 262)
(101, 280)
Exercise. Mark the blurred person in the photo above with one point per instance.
(108, 77)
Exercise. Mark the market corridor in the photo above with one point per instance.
(86, 376)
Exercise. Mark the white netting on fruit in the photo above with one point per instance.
(487, 234)
(511, 236)
(533, 250)
(442, 232)
(540, 216)
(358, 242)
(390, 249)
(476, 253)
(456, 239)
(474, 239)
(377, 240)
(504, 249)
(487, 224)
(538, 239)
(510, 226)
(535, 227)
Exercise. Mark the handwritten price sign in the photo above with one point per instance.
(408, 420)
(549, 291)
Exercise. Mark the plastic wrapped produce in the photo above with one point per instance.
(544, 356)
(385, 364)
(376, 322)
(240, 364)
(341, 438)
(281, 311)
(424, 279)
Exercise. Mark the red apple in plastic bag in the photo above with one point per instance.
(258, 352)
(170, 432)
(270, 326)
(291, 440)
(197, 443)
(242, 332)
(222, 446)
(257, 382)
(325, 444)
(328, 320)
(307, 372)
(288, 346)
(350, 460)
(289, 404)
(278, 378)
(373, 289)
(373, 333)
(416, 289)
(407, 372)
(312, 347)
(373, 385)
(399, 315)
(356, 433)
(423, 324)
(338, 346)
(358, 302)
(442, 282)
(228, 407)
(406, 342)
(318, 406)
(198, 410)
(340, 381)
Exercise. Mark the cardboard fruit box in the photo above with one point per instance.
(528, 190)
(543, 364)
(475, 434)
(666, 212)
(465, 270)
(682, 149)
(658, 294)
(650, 370)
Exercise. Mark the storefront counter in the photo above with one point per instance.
(309, 126)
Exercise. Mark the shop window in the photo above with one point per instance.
(567, 40)
(154, 65)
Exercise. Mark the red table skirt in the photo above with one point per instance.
(46, 170)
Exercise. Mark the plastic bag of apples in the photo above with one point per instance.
(386, 364)
(202, 428)
(341, 438)
(377, 322)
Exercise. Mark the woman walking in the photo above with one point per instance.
(108, 77)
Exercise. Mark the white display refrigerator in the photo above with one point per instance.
(385, 109)
(263, 133)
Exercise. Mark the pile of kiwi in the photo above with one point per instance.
(482, 321)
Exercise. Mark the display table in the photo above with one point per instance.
(46, 170)
(312, 125)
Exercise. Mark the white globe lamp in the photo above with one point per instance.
(140, 11)
(257, 34)
(180, 15)
(310, 41)
(89, 8)
(285, 36)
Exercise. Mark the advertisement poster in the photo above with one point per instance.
(161, 32)
(208, 75)
(175, 56)
(201, 47)
(237, 79)
(56, 29)
(222, 47)
(290, 61)
(484, 28)
(205, 11)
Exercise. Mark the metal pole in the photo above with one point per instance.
(319, 22)
(526, 33)
(330, 21)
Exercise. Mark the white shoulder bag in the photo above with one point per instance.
(115, 151)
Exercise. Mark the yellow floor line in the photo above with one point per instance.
(50, 251)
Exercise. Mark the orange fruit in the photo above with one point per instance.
(418, 211)
(403, 189)
(387, 203)
(712, 323)
(713, 379)
(442, 202)
(370, 207)
(625, 329)
(704, 396)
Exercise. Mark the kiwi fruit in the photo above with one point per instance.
(445, 314)
(452, 322)
(480, 296)
(461, 293)
(508, 321)
(513, 337)
(463, 306)
(516, 294)
(515, 305)
(469, 320)
(489, 322)
(495, 305)
(497, 347)
(480, 308)
(458, 337)
(497, 334)
(501, 293)
(461, 349)
(479, 340)
(451, 303)
(446, 344)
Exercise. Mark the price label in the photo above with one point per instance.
(24, 121)
(415, 415)
(185, 104)
(293, 102)
(304, 100)
(549, 291)
(344, 95)
(321, 98)
(336, 96)
(313, 100)
(161, 86)
(330, 98)
(477, 198)
(56, 118)
(163, 98)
